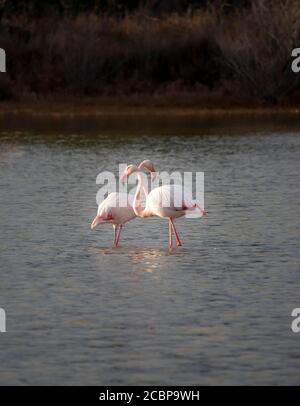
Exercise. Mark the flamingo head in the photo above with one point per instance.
(128, 171)
(148, 166)
(98, 219)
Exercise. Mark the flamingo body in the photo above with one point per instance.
(110, 211)
(117, 208)
(169, 201)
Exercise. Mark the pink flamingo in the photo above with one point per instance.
(168, 201)
(109, 211)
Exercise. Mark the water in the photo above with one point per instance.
(215, 311)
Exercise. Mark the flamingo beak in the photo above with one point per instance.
(123, 177)
(95, 222)
(153, 175)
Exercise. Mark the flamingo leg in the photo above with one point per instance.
(178, 242)
(119, 233)
(170, 234)
(202, 211)
(115, 234)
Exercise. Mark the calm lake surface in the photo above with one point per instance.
(215, 311)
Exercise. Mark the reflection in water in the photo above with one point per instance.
(138, 258)
(215, 311)
(146, 260)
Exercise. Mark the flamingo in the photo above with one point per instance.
(167, 201)
(109, 211)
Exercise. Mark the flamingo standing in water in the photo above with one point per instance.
(168, 201)
(109, 211)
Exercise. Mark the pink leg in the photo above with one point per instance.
(178, 242)
(203, 212)
(170, 234)
(115, 234)
(119, 233)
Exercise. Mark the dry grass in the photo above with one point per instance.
(256, 47)
(239, 56)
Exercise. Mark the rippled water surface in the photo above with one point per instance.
(215, 311)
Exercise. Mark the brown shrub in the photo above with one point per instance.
(246, 52)
(256, 45)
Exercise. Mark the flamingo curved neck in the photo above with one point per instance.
(139, 211)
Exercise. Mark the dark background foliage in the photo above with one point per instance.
(234, 51)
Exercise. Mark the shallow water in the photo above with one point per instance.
(215, 311)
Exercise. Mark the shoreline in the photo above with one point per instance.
(127, 107)
(94, 118)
